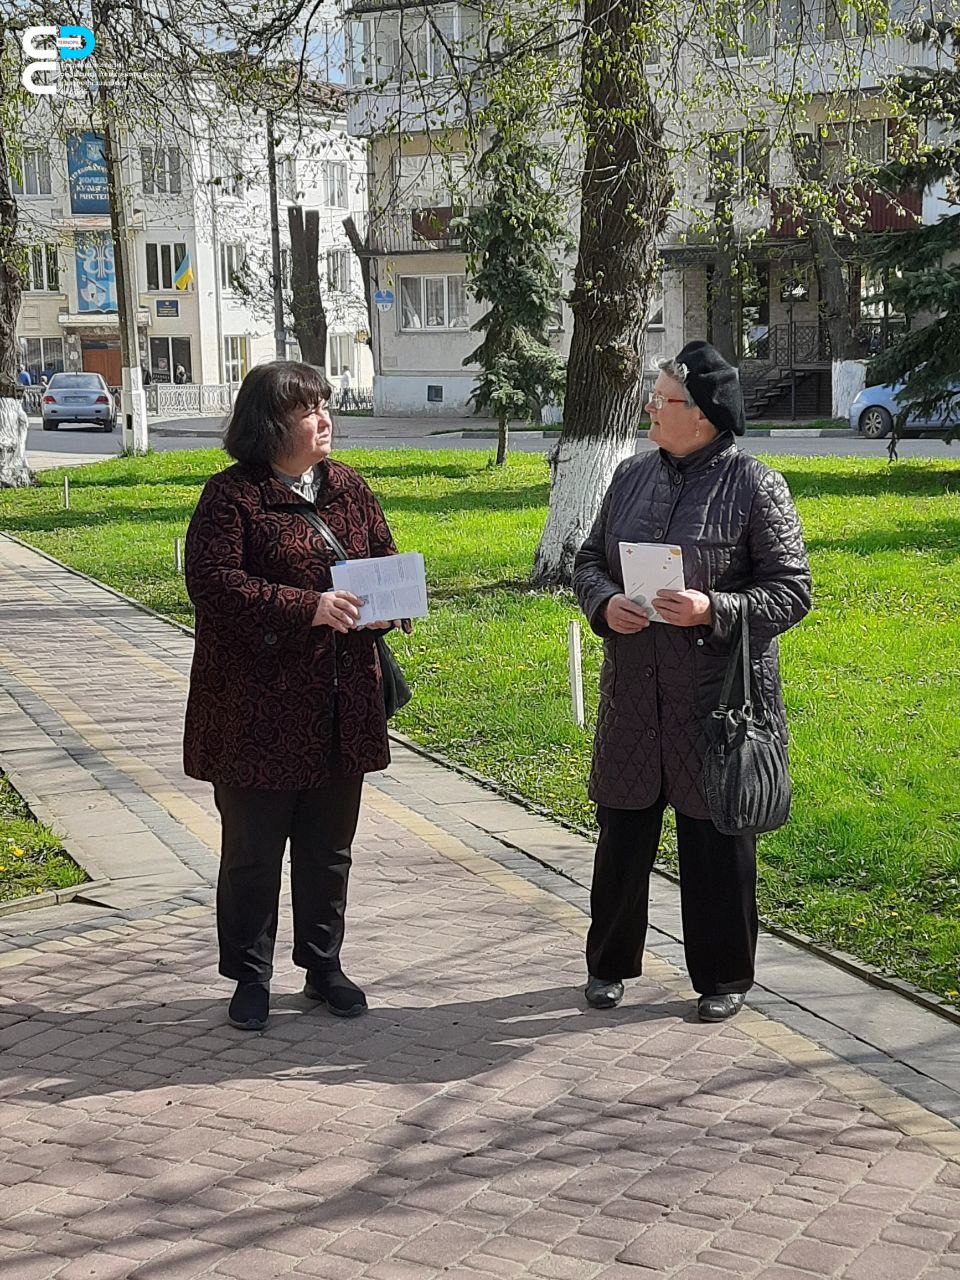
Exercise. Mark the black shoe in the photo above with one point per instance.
(719, 1008)
(603, 993)
(250, 1006)
(335, 990)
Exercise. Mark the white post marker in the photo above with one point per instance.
(576, 672)
(66, 492)
(178, 555)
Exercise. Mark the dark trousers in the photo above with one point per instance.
(718, 898)
(320, 825)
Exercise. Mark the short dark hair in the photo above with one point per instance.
(259, 426)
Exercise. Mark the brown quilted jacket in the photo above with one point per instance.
(736, 522)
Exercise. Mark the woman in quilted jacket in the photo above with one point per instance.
(285, 713)
(742, 544)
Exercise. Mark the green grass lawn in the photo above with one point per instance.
(31, 857)
(871, 859)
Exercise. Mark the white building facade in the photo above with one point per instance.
(402, 102)
(199, 219)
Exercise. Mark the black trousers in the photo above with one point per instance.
(320, 825)
(718, 898)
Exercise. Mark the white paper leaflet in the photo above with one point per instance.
(649, 567)
(390, 586)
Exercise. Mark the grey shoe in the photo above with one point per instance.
(603, 993)
(719, 1008)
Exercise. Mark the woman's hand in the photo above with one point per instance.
(401, 624)
(684, 608)
(625, 617)
(338, 610)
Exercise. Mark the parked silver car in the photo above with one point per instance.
(78, 397)
(876, 408)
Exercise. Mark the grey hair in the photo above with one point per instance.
(678, 372)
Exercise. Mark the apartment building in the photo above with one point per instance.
(199, 217)
(402, 103)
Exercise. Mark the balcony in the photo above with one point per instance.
(427, 230)
(879, 211)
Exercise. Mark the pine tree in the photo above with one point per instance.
(511, 243)
(922, 266)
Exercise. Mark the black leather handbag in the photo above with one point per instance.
(746, 778)
(396, 692)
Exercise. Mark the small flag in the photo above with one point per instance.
(183, 279)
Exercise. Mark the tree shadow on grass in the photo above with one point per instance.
(912, 480)
(939, 539)
(59, 521)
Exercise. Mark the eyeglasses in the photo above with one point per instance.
(658, 401)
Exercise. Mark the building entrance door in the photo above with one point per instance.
(103, 358)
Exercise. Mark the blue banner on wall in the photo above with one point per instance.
(87, 174)
(96, 278)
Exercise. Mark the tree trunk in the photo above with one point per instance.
(847, 372)
(14, 472)
(361, 249)
(722, 320)
(306, 304)
(625, 191)
(502, 441)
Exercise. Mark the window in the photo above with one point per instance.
(234, 358)
(335, 184)
(232, 260)
(433, 302)
(739, 164)
(745, 27)
(43, 269)
(35, 174)
(41, 355)
(850, 143)
(341, 353)
(160, 168)
(428, 43)
(163, 263)
(229, 175)
(338, 270)
(287, 177)
(430, 181)
(284, 267)
(167, 355)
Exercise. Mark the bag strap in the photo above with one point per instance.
(739, 659)
(329, 537)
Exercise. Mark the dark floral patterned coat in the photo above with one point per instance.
(265, 684)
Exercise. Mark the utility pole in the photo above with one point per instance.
(279, 328)
(133, 402)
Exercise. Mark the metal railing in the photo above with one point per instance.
(200, 398)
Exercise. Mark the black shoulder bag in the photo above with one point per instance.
(745, 775)
(396, 691)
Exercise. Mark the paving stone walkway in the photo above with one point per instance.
(479, 1121)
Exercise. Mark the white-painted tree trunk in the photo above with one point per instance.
(133, 412)
(848, 379)
(14, 472)
(581, 471)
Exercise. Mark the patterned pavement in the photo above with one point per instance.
(480, 1121)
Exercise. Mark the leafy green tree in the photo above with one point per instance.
(512, 245)
(922, 266)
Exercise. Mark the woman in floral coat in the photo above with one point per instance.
(285, 713)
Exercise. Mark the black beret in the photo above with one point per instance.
(715, 386)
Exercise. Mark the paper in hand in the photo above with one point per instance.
(649, 567)
(390, 587)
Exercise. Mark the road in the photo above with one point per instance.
(71, 444)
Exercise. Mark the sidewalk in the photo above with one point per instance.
(480, 1121)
